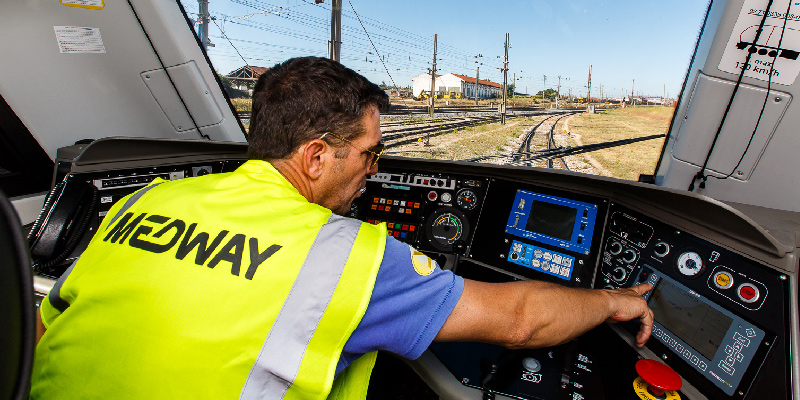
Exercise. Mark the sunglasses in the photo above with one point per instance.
(375, 151)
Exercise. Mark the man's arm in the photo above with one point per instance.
(532, 314)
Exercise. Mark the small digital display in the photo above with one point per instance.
(689, 318)
(551, 220)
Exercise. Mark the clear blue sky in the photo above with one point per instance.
(648, 41)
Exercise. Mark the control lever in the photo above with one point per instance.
(656, 381)
(459, 249)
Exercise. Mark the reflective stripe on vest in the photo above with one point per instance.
(279, 360)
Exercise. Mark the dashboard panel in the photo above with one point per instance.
(722, 297)
(720, 317)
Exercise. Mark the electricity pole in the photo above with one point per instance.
(589, 88)
(433, 73)
(558, 92)
(335, 44)
(505, 84)
(203, 26)
(633, 82)
(477, 85)
(544, 86)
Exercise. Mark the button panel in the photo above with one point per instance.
(738, 288)
(541, 259)
(400, 230)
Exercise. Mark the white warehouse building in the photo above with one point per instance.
(456, 83)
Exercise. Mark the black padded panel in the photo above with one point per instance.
(17, 318)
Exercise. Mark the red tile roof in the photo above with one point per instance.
(481, 81)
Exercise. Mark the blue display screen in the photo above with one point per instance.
(556, 221)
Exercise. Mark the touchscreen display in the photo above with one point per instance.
(692, 320)
(551, 220)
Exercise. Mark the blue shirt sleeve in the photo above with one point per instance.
(411, 300)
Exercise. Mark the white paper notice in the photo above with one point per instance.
(75, 39)
(776, 43)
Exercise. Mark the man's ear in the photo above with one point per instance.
(315, 156)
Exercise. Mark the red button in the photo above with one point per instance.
(405, 227)
(396, 234)
(658, 375)
(748, 292)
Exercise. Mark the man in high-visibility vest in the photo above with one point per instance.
(251, 284)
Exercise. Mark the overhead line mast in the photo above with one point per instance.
(203, 16)
(505, 84)
(433, 74)
(335, 44)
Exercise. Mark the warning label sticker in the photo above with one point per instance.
(75, 39)
(776, 53)
(90, 4)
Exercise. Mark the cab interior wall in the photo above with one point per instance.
(95, 95)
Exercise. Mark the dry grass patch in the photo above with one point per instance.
(628, 161)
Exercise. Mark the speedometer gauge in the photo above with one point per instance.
(446, 226)
(467, 199)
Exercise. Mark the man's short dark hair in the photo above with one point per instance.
(301, 99)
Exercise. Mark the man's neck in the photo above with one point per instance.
(293, 173)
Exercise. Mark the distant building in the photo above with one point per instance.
(454, 83)
(245, 77)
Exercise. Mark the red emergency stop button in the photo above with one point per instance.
(659, 376)
(748, 293)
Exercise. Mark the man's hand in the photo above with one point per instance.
(532, 314)
(627, 304)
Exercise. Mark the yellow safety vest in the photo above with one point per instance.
(224, 286)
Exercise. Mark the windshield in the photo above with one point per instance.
(588, 86)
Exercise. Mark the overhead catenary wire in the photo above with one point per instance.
(373, 44)
(401, 50)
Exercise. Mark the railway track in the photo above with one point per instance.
(398, 135)
(525, 154)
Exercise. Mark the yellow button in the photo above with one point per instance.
(723, 280)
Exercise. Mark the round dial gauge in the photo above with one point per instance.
(467, 199)
(690, 264)
(445, 227)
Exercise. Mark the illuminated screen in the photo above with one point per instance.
(690, 319)
(552, 220)
(556, 221)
